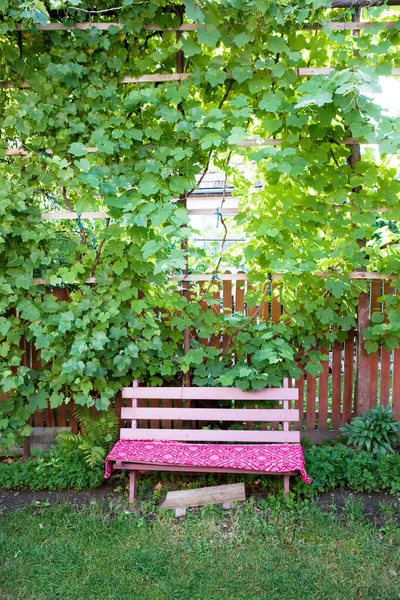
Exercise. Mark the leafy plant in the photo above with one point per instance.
(341, 466)
(96, 436)
(375, 432)
(153, 142)
(54, 470)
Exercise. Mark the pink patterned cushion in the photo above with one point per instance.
(270, 458)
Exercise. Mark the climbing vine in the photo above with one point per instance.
(96, 142)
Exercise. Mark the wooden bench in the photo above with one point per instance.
(155, 453)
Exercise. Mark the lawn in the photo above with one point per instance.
(49, 553)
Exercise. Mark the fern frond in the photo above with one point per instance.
(68, 440)
(97, 434)
(84, 417)
(94, 455)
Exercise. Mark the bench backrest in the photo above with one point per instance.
(241, 415)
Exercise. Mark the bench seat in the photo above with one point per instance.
(260, 458)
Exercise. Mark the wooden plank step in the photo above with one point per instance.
(217, 494)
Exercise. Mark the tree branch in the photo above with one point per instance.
(69, 206)
(98, 253)
(250, 320)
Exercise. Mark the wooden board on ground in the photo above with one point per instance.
(217, 494)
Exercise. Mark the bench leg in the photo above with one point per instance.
(132, 486)
(286, 485)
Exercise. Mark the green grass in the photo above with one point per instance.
(252, 553)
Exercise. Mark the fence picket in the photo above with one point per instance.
(385, 364)
(310, 408)
(374, 358)
(396, 384)
(336, 384)
(118, 405)
(215, 339)
(275, 304)
(62, 415)
(227, 306)
(72, 422)
(323, 393)
(348, 377)
(299, 404)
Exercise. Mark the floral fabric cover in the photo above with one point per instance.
(270, 458)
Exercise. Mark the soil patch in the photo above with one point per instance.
(339, 500)
(11, 500)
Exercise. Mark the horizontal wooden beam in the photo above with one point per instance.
(369, 275)
(24, 152)
(213, 211)
(165, 77)
(351, 25)
(243, 415)
(209, 393)
(64, 215)
(363, 3)
(157, 78)
(41, 281)
(360, 275)
(67, 215)
(350, 141)
(104, 26)
(210, 277)
(211, 435)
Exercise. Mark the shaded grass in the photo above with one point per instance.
(54, 553)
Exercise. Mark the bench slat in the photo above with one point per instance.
(208, 393)
(211, 435)
(211, 414)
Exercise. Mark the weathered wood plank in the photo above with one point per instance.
(211, 435)
(103, 26)
(396, 384)
(336, 384)
(209, 393)
(362, 400)
(323, 393)
(162, 77)
(310, 402)
(348, 377)
(385, 363)
(217, 494)
(156, 78)
(299, 404)
(63, 215)
(374, 358)
(211, 414)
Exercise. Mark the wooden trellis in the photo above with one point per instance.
(314, 408)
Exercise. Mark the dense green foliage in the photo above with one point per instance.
(250, 553)
(152, 142)
(338, 466)
(331, 468)
(53, 470)
(375, 432)
(96, 435)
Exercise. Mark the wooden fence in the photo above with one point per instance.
(325, 402)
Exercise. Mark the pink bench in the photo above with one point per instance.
(253, 451)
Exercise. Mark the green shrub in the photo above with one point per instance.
(96, 437)
(375, 432)
(340, 466)
(53, 470)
